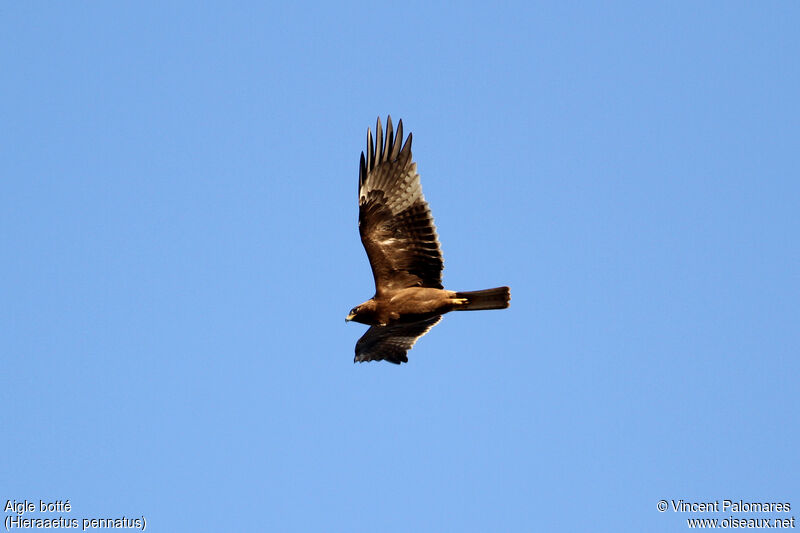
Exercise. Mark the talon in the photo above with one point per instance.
(460, 301)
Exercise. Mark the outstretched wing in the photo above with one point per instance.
(391, 343)
(394, 220)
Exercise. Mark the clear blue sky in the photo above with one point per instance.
(179, 250)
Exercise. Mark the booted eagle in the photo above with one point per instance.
(397, 230)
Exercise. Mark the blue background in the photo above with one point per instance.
(179, 250)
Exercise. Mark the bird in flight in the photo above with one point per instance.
(398, 233)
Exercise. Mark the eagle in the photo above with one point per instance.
(399, 235)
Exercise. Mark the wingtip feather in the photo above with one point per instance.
(398, 140)
(378, 142)
(370, 151)
(362, 171)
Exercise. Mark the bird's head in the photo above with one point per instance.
(362, 313)
(353, 313)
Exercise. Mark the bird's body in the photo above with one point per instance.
(399, 235)
(407, 305)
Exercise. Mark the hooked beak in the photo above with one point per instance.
(350, 317)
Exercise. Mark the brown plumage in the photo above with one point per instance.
(398, 233)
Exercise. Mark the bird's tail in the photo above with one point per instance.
(486, 299)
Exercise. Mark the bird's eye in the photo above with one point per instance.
(354, 310)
